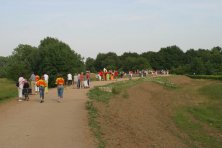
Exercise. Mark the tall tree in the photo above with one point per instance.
(109, 60)
(56, 58)
(21, 61)
(90, 64)
(3, 65)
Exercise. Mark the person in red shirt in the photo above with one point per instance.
(101, 75)
(88, 77)
(41, 84)
(116, 74)
(81, 80)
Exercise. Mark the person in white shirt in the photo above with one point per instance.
(69, 79)
(75, 80)
(21, 82)
(46, 78)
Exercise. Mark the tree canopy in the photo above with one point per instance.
(56, 57)
(52, 57)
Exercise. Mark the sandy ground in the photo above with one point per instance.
(143, 119)
(30, 124)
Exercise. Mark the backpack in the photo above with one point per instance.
(17, 84)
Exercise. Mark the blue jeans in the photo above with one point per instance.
(41, 91)
(60, 91)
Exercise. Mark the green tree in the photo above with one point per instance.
(56, 58)
(109, 60)
(135, 63)
(21, 62)
(171, 57)
(3, 65)
(90, 64)
(197, 66)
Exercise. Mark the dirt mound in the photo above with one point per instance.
(180, 80)
(141, 120)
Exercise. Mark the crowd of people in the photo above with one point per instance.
(106, 75)
(39, 85)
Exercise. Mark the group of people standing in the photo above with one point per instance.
(39, 85)
(107, 75)
(80, 80)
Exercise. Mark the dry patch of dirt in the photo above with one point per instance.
(142, 120)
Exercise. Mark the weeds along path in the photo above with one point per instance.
(30, 124)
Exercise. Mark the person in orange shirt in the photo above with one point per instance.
(60, 87)
(41, 84)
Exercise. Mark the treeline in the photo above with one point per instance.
(201, 61)
(51, 56)
(55, 57)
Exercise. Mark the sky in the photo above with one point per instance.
(90, 27)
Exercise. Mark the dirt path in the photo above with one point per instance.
(29, 124)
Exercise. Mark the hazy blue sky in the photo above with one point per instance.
(93, 26)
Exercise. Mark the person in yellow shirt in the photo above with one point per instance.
(41, 84)
(60, 87)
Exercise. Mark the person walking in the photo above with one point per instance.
(78, 83)
(81, 80)
(60, 87)
(75, 80)
(32, 79)
(41, 84)
(36, 87)
(69, 77)
(46, 78)
(88, 77)
(21, 82)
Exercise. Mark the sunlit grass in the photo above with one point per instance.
(197, 120)
(8, 90)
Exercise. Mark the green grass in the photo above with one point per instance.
(195, 130)
(213, 77)
(197, 120)
(99, 95)
(210, 115)
(162, 81)
(8, 90)
(94, 125)
(212, 91)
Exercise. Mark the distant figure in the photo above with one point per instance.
(75, 82)
(100, 75)
(36, 80)
(25, 90)
(130, 75)
(69, 78)
(88, 77)
(60, 87)
(78, 83)
(46, 78)
(81, 80)
(21, 81)
(32, 79)
(116, 75)
(41, 84)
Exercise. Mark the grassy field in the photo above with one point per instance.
(8, 90)
(203, 122)
(198, 114)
